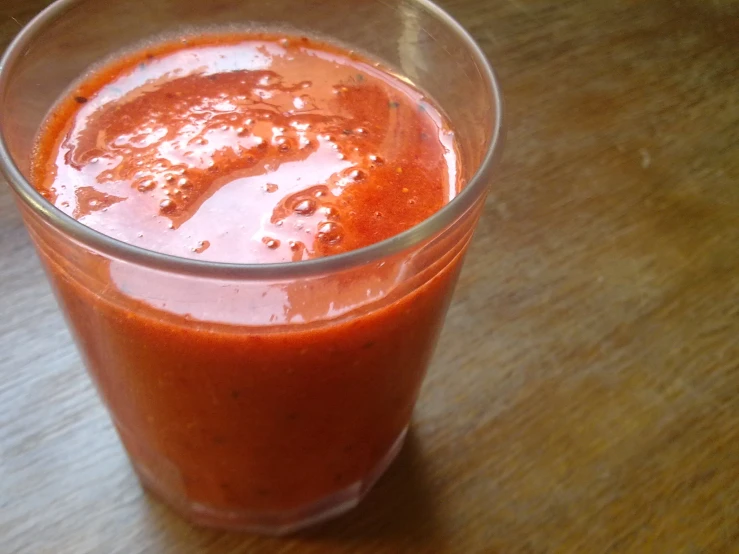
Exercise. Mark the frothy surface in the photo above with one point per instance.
(247, 149)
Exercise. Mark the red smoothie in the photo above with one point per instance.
(251, 404)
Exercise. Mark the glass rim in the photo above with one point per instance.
(115, 248)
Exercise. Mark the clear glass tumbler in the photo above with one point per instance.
(256, 397)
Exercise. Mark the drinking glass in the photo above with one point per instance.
(261, 397)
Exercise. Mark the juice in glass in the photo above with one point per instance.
(256, 305)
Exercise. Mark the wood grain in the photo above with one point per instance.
(585, 394)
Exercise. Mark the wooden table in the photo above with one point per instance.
(585, 395)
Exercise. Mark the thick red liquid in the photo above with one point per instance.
(251, 404)
(260, 150)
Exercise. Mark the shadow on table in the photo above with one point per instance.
(397, 515)
(400, 506)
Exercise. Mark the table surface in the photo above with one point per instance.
(585, 394)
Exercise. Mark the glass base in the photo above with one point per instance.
(275, 523)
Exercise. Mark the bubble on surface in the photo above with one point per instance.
(305, 207)
(330, 232)
(357, 175)
(330, 213)
(271, 243)
(201, 247)
(146, 184)
(167, 206)
(283, 144)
